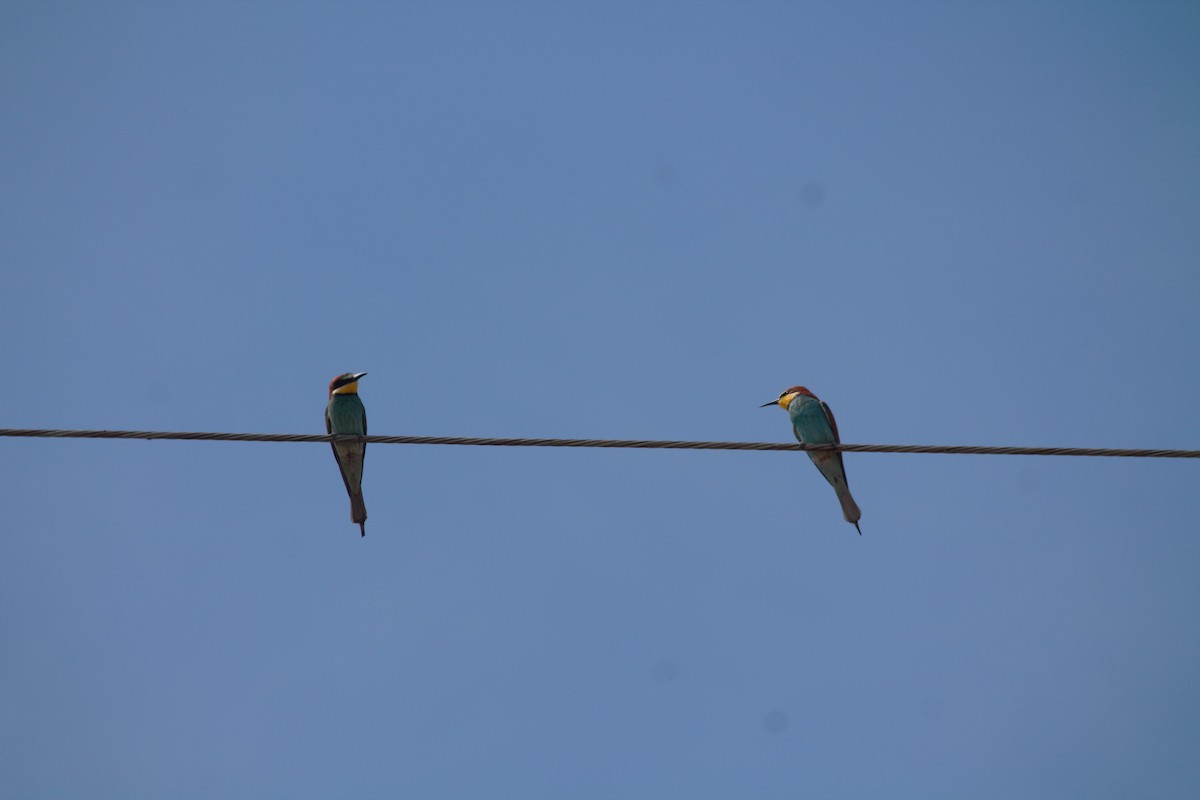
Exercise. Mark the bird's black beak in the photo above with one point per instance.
(772, 403)
(358, 375)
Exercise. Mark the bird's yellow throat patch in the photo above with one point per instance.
(786, 400)
(349, 388)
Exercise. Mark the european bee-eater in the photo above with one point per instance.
(345, 414)
(813, 423)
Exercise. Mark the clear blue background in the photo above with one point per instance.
(958, 223)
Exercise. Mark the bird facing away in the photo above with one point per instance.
(346, 415)
(813, 423)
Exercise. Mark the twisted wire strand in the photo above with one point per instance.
(642, 444)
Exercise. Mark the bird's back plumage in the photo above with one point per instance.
(813, 423)
(346, 415)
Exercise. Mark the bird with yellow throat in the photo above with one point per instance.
(346, 416)
(813, 423)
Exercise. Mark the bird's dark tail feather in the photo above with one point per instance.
(850, 509)
(358, 511)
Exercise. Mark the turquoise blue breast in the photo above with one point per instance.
(809, 422)
(346, 414)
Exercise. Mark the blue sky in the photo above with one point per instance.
(958, 223)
